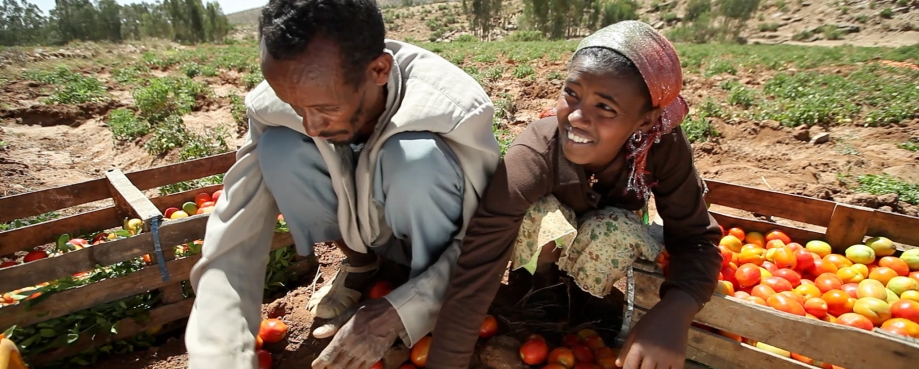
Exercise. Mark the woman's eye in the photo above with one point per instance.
(571, 93)
(606, 107)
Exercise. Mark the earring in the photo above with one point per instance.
(636, 137)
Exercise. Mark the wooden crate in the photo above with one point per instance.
(124, 189)
(840, 225)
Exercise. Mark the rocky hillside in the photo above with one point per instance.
(828, 22)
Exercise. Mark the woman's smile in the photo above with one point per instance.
(578, 136)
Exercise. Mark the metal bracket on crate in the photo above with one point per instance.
(161, 261)
(629, 307)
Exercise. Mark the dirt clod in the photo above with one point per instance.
(278, 308)
(502, 352)
(801, 133)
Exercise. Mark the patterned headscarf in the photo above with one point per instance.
(659, 65)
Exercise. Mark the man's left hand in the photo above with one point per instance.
(366, 332)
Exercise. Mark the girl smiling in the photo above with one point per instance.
(570, 190)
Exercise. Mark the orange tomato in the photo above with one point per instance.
(837, 302)
(755, 238)
(855, 320)
(741, 295)
(562, 356)
(604, 352)
(778, 235)
(737, 232)
(914, 275)
(882, 274)
(725, 288)
(419, 353)
(755, 256)
(827, 281)
(726, 255)
(748, 275)
(839, 261)
(808, 291)
(792, 296)
(895, 263)
(778, 284)
(782, 302)
(774, 244)
(489, 327)
(762, 291)
(768, 265)
(906, 309)
(202, 198)
(903, 327)
(259, 342)
(789, 275)
(272, 330)
(785, 258)
(756, 300)
(595, 342)
(735, 337)
(802, 358)
(816, 307)
(821, 267)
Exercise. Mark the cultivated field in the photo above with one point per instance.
(836, 123)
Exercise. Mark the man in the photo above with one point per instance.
(377, 144)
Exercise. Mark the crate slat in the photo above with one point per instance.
(750, 225)
(129, 200)
(40, 202)
(108, 290)
(26, 238)
(184, 171)
(897, 227)
(806, 209)
(847, 227)
(819, 340)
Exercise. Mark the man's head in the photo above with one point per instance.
(326, 59)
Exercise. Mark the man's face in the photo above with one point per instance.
(313, 84)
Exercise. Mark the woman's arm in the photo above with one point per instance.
(519, 181)
(691, 234)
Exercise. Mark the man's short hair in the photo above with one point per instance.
(287, 27)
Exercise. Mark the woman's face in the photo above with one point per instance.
(598, 111)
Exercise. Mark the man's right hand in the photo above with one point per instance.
(366, 332)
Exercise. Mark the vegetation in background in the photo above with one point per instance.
(885, 184)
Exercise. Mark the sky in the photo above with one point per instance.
(228, 6)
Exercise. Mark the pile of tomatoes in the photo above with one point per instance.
(865, 287)
(584, 350)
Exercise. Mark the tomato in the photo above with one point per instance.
(855, 320)
(727, 275)
(785, 258)
(770, 266)
(723, 287)
(731, 243)
(792, 296)
(756, 238)
(532, 352)
(735, 337)
(871, 288)
(272, 330)
(741, 295)
(882, 274)
(7, 264)
(582, 354)
(826, 282)
(748, 275)
(587, 332)
(778, 284)
(906, 309)
(876, 310)
(553, 366)
(816, 307)
(259, 342)
(168, 212)
(838, 260)
(895, 263)
(822, 267)
(762, 291)
(380, 289)
(837, 302)
(737, 232)
(607, 363)
(852, 289)
(903, 327)
(802, 358)
(596, 342)
(570, 340)
(587, 366)
(535, 336)
(914, 275)
(849, 275)
(754, 256)
(605, 352)
(407, 366)
(202, 198)
(808, 291)
(805, 259)
(419, 353)
(377, 365)
(789, 275)
(562, 356)
(726, 256)
(489, 327)
(34, 255)
(264, 359)
(216, 195)
(778, 235)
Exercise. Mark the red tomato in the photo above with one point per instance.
(534, 352)
(419, 353)
(737, 232)
(778, 235)
(562, 356)
(582, 354)
(778, 284)
(34, 255)
(895, 263)
(782, 302)
(816, 306)
(202, 198)
(272, 330)
(855, 320)
(264, 359)
(570, 340)
(489, 327)
(748, 275)
(380, 289)
(789, 275)
(377, 365)
(407, 366)
(7, 264)
(216, 195)
(906, 309)
(805, 259)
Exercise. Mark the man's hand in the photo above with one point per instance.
(658, 341)
(368, 331)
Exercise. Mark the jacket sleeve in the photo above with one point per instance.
(228, 281)
(690, 232)
(521, 179)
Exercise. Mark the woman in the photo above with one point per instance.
(569, 188)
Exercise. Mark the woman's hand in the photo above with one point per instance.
(658, 341)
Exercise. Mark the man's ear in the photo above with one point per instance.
(650, 118)
(379, 69)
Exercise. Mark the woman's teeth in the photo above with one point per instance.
(576, 138)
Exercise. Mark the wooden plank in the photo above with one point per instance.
(127, 328)
(26, 238)
(897, 227)
(723, 353)
(793, 207)
(184, 171)
(40, 202)
(847, 227)
(76, 299)
(172, 233)
(833, 343)
(800, 235)
(129, 200)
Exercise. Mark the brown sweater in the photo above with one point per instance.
(535, 167)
